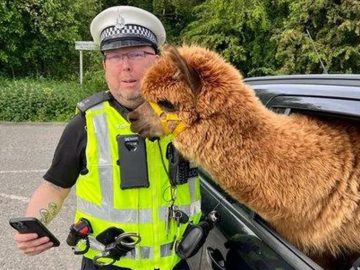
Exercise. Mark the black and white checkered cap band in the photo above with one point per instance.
(128, 31)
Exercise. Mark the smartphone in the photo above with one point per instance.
(132, 161)
(32, 225)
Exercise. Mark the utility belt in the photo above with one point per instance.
(114, 243)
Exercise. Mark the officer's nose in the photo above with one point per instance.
(125, 63)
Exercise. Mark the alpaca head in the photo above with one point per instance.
(183, 86)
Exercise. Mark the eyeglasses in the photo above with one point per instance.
(135, 56)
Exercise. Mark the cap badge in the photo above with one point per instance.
(120, 22)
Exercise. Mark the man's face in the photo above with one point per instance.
(124, 69)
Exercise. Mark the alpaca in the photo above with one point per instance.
(300, 173)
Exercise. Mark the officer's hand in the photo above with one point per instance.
(31, 245)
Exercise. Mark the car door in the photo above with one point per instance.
(244, 240)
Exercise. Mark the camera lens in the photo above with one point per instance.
(21, 226)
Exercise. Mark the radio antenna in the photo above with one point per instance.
(313, 44)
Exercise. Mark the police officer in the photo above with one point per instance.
(92, 149)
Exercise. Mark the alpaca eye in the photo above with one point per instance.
(166, 105)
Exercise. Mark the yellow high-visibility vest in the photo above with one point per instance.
(140, 210)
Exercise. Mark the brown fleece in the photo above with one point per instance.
(300, 173)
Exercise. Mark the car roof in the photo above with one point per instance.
(344, 86)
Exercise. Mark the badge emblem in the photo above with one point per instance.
(120, 22)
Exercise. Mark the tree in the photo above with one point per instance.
(272, 37)
(174, 14)
(39, 35)
(11, 31)
(239, 30)
(260, 37)
(334, 27)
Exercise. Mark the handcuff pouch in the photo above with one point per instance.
(108, 236)
(192, 240)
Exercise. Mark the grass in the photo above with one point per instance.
(44, 100)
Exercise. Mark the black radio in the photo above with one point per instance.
(180, 169)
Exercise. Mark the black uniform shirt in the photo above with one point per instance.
(69, 158)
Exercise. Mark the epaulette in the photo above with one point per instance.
(93, 100)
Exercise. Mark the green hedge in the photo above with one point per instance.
(44, 100)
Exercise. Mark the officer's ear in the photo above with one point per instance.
(103, 60)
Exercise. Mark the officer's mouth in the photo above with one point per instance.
(129, 82)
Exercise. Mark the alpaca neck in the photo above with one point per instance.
(251, 153)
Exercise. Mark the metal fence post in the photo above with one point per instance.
(81, 67)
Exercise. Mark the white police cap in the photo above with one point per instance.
(126, 26)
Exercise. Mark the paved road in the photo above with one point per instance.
(25, 153)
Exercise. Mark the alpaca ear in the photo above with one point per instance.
(185, 71)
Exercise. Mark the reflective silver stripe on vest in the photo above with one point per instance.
(163, 213)
(191, 209)
(138, 252)
(131, 254)
(115, 215)
(105, 162)
(166, 249)
(106, 211)
(148, 252)
(192, 188)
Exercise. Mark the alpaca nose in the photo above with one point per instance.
(132, 116)
(134, 127)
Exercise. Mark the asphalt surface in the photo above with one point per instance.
(26, 152)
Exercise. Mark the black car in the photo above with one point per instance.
(242, 239)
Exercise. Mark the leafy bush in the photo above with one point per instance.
(42, 100)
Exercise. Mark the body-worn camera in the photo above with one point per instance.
(132, 161)
(180, 169)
